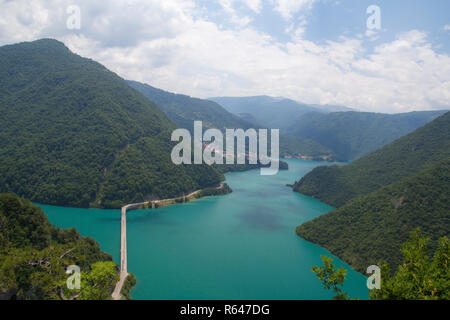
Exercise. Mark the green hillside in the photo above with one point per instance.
(351, 135)
(369, 230)
(34, 256)
(184, 110)
(291, 146)
(73, 133)
(336, 185)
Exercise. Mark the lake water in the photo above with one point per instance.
(238, 246)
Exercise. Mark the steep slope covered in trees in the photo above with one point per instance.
(74, 133)
(34, 256)
(369, 230)
(336, 185)
(184, 110)
(351, 135)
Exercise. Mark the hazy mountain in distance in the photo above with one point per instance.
(351, 135)
(183, 110)
(276, 113)
(249, 118)
(331, 108)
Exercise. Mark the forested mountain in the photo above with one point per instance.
(331, 108)
(74, 133)
(336, 185)
(275, 113)
(34, 256)
(184, 110)
(369, 230)
(292, 146)
(249, 118)
(351, 135)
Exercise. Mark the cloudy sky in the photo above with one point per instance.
(313, 51)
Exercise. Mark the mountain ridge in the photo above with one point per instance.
(75, 134)
(336, 185)
(369, 230)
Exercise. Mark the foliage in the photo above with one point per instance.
(224, 168)
(74, 133)
(214, 191)
(129, 283)
(103, 275)
(351, 135)
(336, 185)
(156, 179)
(370, 229)
(331, 277)
(299, 146)
(417, 278)
(184, 110)
(34, 256)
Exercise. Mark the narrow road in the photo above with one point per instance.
(123, 250)
(123, 241)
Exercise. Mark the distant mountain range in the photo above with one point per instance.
(75, 134)
(383, 196)
(351, 135)
(184, 110)
(344, 133)
(276, 113)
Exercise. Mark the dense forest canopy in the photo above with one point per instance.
(184, 110)
(351, 135)
(325, 132)
(370, 230)
(418, 277)
(34, 257)
(75, 134)
(382, 197)
(336, 185)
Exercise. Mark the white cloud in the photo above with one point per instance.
(228, 7)
(447, 27)
(287, 8)
(372, 35)
(254, 5)
(171, 45)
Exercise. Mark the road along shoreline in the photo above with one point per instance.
(223, 188)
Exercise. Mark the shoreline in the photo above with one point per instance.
(222, 189)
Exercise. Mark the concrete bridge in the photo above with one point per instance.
(123, 237)
(123, 249)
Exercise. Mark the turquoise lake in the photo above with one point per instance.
(238, 246)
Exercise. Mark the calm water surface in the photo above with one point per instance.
(238, 246)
